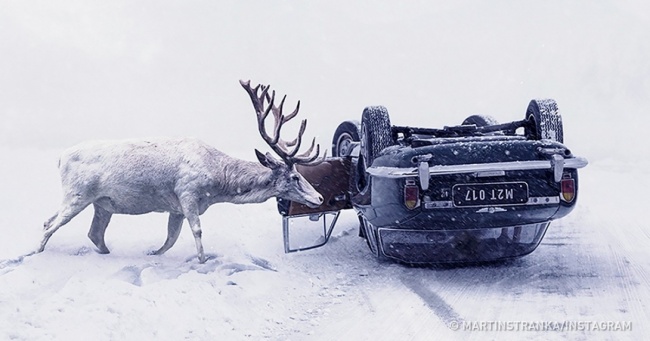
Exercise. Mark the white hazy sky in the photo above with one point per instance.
(77, 70)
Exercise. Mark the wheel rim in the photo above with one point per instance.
(344, 144)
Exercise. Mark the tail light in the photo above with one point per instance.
(568, 190)
(411, 194)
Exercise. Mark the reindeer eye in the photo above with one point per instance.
(295, 177)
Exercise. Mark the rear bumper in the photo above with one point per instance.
(460, 246)
(399, 172)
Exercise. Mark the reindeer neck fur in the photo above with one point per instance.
(242, 182)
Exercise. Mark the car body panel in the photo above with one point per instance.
(471, 198)
(460, 246)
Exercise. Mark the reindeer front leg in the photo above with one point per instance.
(190, 206)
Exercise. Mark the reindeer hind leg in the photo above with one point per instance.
(173, 231)
(69, 210)
(48, 223)
(98, 228)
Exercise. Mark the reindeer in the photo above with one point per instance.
(181, 176)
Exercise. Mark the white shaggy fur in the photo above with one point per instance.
(180, 176)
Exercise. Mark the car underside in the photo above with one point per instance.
(475, 192)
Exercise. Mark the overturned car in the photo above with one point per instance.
(475, 192)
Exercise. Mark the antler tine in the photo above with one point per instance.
(258, 102)
(294, 113)
(288, 151)
(278, 120)
(251, 93)
(312, 160)
(319, 161)
(309, 150)
(298, 141)
(262, 113)
(282, 119)
(279, 108)
(277, 112)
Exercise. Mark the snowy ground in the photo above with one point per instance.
(72, 71)
(591, 266)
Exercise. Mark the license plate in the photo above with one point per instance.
(500, 193)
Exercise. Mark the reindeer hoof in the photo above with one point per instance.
(157, 252)
(103, 251)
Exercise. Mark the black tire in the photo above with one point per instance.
(544, 121)
(376, 133)
(346, 133)
(480, 120)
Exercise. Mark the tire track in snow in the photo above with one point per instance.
(629, 272)
(437, 304)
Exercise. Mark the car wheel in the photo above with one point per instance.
(480, 120)
(345, 135)
(544, 121)
(376, 133)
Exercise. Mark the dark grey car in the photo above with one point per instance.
(479, 191)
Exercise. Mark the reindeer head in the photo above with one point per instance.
(290, 184)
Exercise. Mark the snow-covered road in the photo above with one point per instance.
(590, 273)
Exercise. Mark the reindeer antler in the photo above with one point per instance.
(281, 147)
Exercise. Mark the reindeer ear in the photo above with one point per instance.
(267, 160)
